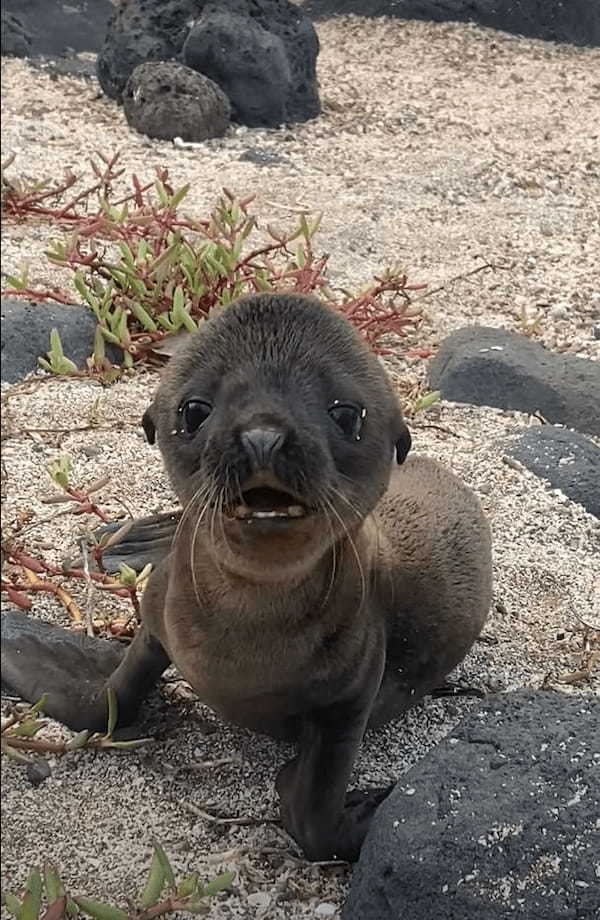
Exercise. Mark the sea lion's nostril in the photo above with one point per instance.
(261, 446)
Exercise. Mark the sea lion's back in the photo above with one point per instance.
(437, 535)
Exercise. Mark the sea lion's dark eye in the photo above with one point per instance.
(348, 418)
(194, 413)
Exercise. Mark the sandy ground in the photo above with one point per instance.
(439, 146)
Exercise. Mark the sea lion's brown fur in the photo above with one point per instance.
(309, 627)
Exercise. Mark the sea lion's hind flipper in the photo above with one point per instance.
(74, 670)
(145, 541)
(68, 667)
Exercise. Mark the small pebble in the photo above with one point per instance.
(260, 899)
(325, 909)
(90, 451)
(38, 772)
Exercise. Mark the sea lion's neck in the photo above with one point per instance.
(336, 583)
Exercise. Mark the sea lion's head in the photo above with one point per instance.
(278, 426)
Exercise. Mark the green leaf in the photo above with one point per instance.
(60, 470)
(112, 711)
(248, 228)
(66, 366)
(78, 741)
(17, 283)
(27, 728)
(80, 285)
(12, 904)
(187, 886)
(137, 286)
(155, 884)
(56, 344)
(109, 336)
(127, 745)
(426, 401)
(127, 576)
(122, 329)
(127, 255)
(30, 909)
(188, 322)
(167, 256)
(197, 907)
(262, 281)
(13, 753)
(300, 256)
(178, 300)
(162, 194)
(220, 883)
(41, 703)
(163, 319)
(59, 364)
(166, 865)
(114, 318)
(178, 197)
(304, 228)
(54, 886)
(100, 911)
(99, 355)
(143, 317)
(316, 225)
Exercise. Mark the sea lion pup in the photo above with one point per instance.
(313, 587)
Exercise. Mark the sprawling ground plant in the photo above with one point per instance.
(45, 897)
(148, 272)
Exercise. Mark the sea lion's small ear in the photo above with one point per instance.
(403, 444)
(148, 425)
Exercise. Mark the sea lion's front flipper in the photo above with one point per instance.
(74, 670)
(327, 822)
(144, 541)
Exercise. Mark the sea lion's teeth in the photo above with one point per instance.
(268, 514)
(242, 512)
(296, 511)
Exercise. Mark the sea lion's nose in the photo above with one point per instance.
(261, 445)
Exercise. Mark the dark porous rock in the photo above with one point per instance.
(565, 459)
(16, 39)
(57, 27)
(263, 54)
(140, 31)
(500, 820)
(167, 100)
(263, 158)
(491, 367)
(574, 21)
(26, 329)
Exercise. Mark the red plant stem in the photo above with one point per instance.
(135, 601)
(36, 744)
(87, 506)
(39, 566)
(48, 587)
(106, 178)
(33, 199)
(37, 296)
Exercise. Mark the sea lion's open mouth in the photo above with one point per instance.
(262, 503)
